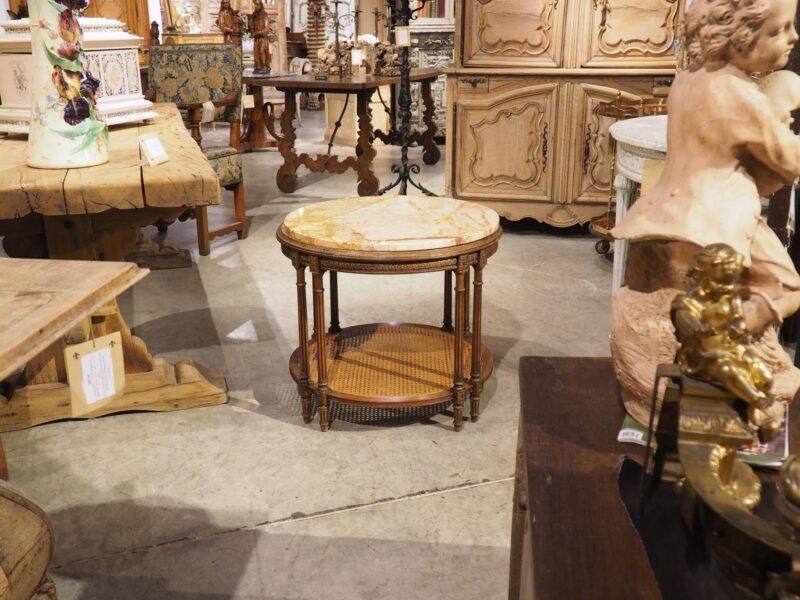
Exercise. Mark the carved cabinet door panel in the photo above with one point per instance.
(629, 33)
(591, 158)
(511, 33)
(506, 141)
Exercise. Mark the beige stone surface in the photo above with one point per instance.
(393, 223)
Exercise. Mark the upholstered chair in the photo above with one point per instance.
(193, 74)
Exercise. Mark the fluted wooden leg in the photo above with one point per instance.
(321, 340)
(475, 379)
(458, 358)
(466, 303)
(334, 328)
(447, 320)
(302, 320)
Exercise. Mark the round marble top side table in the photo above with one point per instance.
(391, 364)
(639, 139)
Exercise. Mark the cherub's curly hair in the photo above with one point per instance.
(712, 28)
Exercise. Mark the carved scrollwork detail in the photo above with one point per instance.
(527, 171)
(503, 32)
(625, 35)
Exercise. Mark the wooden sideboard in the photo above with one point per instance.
(524, 137)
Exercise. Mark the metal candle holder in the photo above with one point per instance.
(400, 15)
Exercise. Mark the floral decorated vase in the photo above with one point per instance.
(65, 129)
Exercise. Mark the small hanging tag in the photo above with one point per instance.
(95, 373)
(153, 150)
(209, 111)
(248, 101)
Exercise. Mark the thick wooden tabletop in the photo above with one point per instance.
(40, 300)
(187, 179)
(584, 544)
(333, 83)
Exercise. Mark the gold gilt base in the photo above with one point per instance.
(391, 365)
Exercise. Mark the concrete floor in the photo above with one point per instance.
(244, 500)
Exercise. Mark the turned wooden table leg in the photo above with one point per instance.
(458, 352)
(466, 303)
(287, 173)
(447, 321)
(321, 341)
(302, 322)
(3, 463)
(365, 150)
(334, 328)
(477, 307)
(430, 153)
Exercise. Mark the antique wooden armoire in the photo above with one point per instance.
(523, 135)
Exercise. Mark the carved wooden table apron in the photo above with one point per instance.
(95, 214)
(363, 87)
(390, 365)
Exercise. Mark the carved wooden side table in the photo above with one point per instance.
(640, 139)
(391, 364)
(363, 87)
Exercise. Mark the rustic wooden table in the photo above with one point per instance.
(391, 364)
(42, 302)
(571, 535)
(363, 86)
(95, 214)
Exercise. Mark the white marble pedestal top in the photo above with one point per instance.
(391, 223)
(637, 140)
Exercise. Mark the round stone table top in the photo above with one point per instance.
(391, 223)
(649, 133)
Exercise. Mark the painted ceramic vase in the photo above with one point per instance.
(65, 129)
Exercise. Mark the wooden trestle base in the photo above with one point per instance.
(151, 384)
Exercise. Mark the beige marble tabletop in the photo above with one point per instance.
(391, 223)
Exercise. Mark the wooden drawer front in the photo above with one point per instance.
(633, 33)
(506, 33)
(476, 83)
(505, 143)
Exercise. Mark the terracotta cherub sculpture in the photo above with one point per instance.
(710, 327)
(229, 24)
(728, 146)
(259, 31)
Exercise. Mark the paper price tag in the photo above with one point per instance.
(95, 373)
(248, 101)
(153, 150)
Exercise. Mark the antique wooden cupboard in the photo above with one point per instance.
(522, 134)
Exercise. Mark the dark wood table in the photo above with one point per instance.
(259, 121)
(582, 543)
(363, 86)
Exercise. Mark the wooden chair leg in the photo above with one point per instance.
(238, 208)
(203, 239)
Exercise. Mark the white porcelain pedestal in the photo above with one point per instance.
(113, 59)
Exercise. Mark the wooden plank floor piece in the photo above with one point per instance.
(40, 300)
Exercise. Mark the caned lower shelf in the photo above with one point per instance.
(391, 364)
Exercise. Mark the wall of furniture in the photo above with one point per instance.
(523, 137)
(134, 13)
(432, 48)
